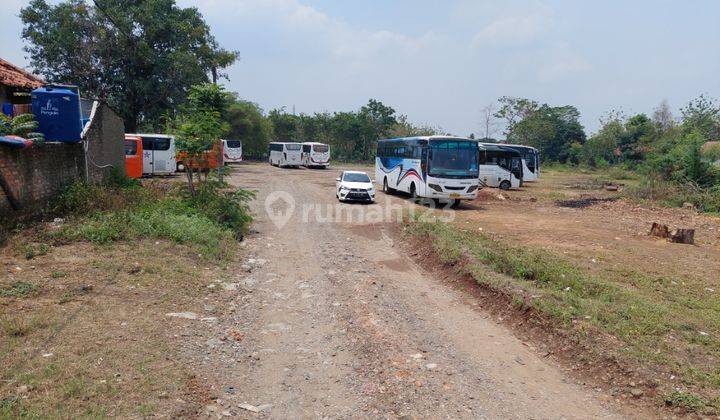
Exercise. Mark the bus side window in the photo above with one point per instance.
(482, 157)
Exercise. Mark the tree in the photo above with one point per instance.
(378, 119)
(549, 129)
(140, 56)
(200, 124)
(487, 122)
(514, 110)
(662, 117)
(285, 126)
(248, 124)
(404, 128)
(702, 114)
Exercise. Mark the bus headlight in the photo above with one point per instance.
(435, 187)
(472, 188)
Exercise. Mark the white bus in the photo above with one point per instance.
(315, 155)
(232, 151)
(158, 154)
(436, 167)
(531, 161)
(499, 166)
(285, 154)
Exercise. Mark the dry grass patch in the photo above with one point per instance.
(668, 326)
(83, 331)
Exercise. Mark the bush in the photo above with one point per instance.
(675, 194)
(123, 210)
(228, 208)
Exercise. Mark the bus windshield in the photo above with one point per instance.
(320, 148)
(453, 159)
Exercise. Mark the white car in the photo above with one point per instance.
(354, 186)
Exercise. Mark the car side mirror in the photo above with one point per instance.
(337, 179)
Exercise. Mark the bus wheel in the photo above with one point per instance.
(413, 194)
(385, 186)
(505, 185)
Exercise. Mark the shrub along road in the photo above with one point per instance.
(332, 319)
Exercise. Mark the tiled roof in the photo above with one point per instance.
(11, 75)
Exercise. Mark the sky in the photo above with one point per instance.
(441, 62)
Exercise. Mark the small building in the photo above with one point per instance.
(15, 87)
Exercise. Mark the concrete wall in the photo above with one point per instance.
(106, 143)
(30, 177)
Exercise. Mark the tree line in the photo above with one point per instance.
(144, 57)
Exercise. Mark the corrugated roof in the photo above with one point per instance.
(12, 75)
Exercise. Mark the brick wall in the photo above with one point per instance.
(34, 175)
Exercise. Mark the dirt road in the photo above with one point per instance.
(330, 319)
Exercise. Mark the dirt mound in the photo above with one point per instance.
(583, 202)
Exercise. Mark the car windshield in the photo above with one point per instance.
(355, 177)
(293, 146)
(453, 159)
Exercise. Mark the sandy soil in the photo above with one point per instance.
(610, 236)
(330, 318)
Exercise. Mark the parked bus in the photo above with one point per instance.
(436, 167)
(531, 161)
(315, 155)
(500, 166)
(133, 157)
(232, 151)
(158, 154)
(207, 161)
(285, 154)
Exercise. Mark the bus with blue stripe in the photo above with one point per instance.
(441, 168)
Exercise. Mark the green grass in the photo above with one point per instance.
(209, 221)
(685, 400)
(657, 321)
(18, 289)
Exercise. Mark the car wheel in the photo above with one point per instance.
(505, 185)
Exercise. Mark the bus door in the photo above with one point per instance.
(133, 157)
(516, 167)
(159, 155)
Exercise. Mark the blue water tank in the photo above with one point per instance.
(57, 111)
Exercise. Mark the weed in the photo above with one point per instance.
(31, 251)
(685, 400)
(19, 289)
(58, 274)
(208, 221)
(16, 327)
(650, 312)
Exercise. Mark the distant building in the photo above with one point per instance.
(15, 87)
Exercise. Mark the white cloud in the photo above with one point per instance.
(318, 30)
(513, 31)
